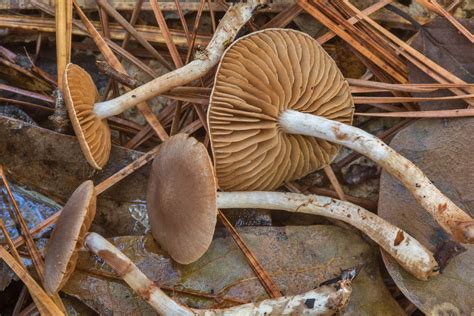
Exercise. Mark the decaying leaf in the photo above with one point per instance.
(23, 78)
(52, 164)
(443, 150)
(442, 43)
(297, 258)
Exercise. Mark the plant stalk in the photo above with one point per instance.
(325, 300)
(230, 24)
(448, 215)
(408, 252)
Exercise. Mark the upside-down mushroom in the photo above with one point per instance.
(278, 103)
(89, 118)
(182, 206)
(68, 237)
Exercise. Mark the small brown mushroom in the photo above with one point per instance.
(80, 95)
(68, 237)
(182, 207)
(89, 118)
(277, 101)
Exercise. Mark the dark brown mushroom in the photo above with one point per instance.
(182, 206)
(68, 237)
(182, 196)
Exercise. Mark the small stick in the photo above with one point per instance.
(26, 93)
(127, 170)
(326, 299)
(61, 40)
(124, 79)
(270, 287)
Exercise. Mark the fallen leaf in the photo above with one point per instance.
(53, 165)
(297, 258)
(442, 43)
(443, 150)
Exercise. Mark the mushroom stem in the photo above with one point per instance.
(324, 300)
(408, 252)
(228, 28)
(449, 216)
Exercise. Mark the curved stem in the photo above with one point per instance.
(230, 24)
(324, 300)
(449, 216)
(409, 253)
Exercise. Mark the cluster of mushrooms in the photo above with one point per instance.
(279, 110)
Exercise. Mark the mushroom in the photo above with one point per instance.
(70, 234)
(182, 206)
(278, 105)
(89, 118)
(324, 300)
(68, 237)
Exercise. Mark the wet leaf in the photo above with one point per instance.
(52, 164)
(443, 44)
(297, 258)
(443, 150)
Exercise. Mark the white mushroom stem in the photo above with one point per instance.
(409, 253)
(233, 20)
(324, 300)
(449, 216)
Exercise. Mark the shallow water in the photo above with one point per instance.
(34, 207)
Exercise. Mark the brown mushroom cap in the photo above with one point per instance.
(260, 76)
(182, 198)
(80, 95)
(68, 237)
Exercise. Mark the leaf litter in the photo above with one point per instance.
(413, 55)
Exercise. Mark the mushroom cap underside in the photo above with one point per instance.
(260, 76)
(68, 236)
(182, 199)
(93, 133)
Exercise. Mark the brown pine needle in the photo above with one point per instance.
(425, 64)
(32, 249)
(365, 100)
(46, 304)
(434, 6)
(166, 34)
(265, 279)
(424, 114)
(334, 182)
